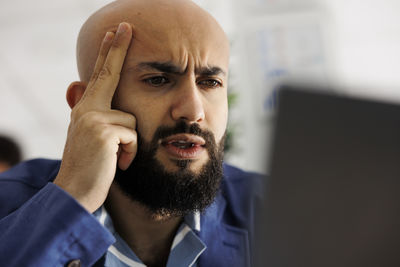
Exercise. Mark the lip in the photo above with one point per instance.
(190, 138)
(192, 152)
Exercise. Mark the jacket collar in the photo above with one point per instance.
(227, 245)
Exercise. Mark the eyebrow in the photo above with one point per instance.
(168, 67)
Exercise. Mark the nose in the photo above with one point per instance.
(188, 104)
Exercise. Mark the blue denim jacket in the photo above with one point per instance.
(42, 225)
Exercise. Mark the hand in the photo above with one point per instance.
(99, 137)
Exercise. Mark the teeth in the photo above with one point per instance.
(182, 144)
(177, 142)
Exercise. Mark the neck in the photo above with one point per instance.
(149, 236)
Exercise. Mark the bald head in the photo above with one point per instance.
(179, 25)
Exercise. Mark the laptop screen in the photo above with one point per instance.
(333, 195)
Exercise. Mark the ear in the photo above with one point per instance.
(75, 92)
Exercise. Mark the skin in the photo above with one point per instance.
(4, 166)
(117, 98)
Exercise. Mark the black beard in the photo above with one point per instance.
(172, 193)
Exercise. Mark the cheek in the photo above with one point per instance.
(144, 110)
(217, 117)
(148, 118)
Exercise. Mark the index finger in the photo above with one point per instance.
(101, 92)
(101, 58)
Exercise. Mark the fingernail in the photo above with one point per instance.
(109, 36)
(122, 28)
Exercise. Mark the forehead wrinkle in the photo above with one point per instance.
(169, 67)
(161, 22)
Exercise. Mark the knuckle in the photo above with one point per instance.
(89, 119)
(116, 44)
(127, 120)
(94, 116)
(134, 134)
(105, 72)
(106, 135)
(131, 120)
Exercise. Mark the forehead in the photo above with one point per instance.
(172, 30)
(175, 31)
(179, 46)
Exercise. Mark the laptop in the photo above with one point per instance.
(333, 194)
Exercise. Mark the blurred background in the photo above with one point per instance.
(351, 45)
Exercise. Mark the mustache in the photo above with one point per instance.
(181, 127)
(148, 149)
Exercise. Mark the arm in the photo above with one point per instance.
(55, 225)
(99, 137)
(51, 229)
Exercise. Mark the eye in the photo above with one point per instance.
(210, 83)
(156, 81)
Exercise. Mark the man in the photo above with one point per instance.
(143, 153)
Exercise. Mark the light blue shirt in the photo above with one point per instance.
(185, 250)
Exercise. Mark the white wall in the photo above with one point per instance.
(359, 44)
(365, 41)
(355, 47)
(37, 63)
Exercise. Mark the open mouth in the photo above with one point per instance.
(184, 140)
(185, 146)
(182, 144)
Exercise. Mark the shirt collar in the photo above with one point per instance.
(192, 219)
(185, 250)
